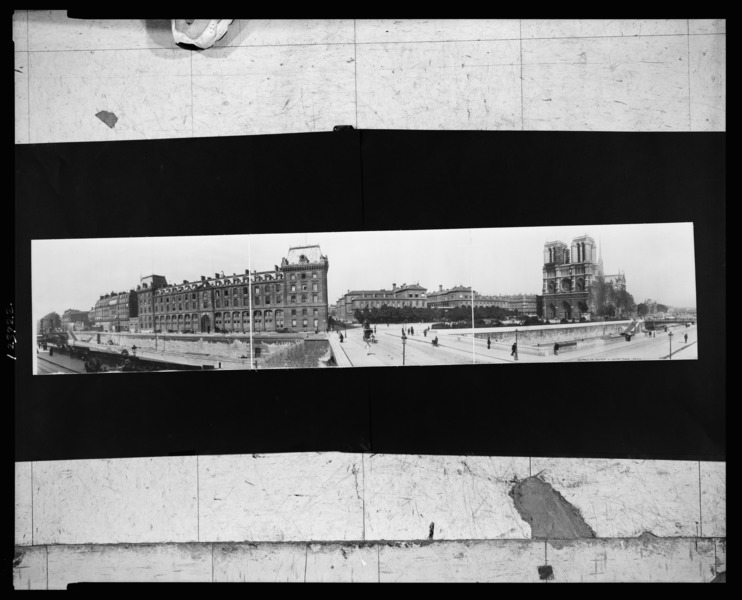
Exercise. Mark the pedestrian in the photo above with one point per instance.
(514, 351)
(425, 333)
(374, 329)
(367, 345)
(412, 331)
(686, 338)
(488, 342)
(556, 349)
(341, 337)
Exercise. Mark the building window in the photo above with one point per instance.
(316, 312)
(314, 275)
(244, 290)
(217, 293)
(257, 289)
(314, 298)
(316, 323)
(293, 298)
(218, 303)
(304, 276)
(293, 322)
(267, 299)
(226, 302)
(304, 298)
(293, 287)
(304, 323)
(314, 288)
(304, 312)
(293, 276)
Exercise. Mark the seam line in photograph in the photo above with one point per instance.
(700, 505)
(198, 504)
(355, 68)
(363, 491)
(520, 41)
(690, 118)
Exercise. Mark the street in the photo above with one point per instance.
(455, 348)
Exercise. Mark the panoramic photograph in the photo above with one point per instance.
(365, 299)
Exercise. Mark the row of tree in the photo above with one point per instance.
(643, 310)
(609, 301)
(412, 314)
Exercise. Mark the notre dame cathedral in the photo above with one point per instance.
(574, 285)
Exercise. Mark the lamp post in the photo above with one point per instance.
(669, 335)
(516, 343)
(404, 343)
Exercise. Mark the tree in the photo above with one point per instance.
(642, 309)
(662, 308)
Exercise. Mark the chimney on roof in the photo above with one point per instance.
(216, 275)
(203, 277)
(440, 287)
(394, 286)
(185, 281)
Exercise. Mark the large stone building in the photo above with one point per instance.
(413, 295)
(293, 296)
(570, 276)
(145, 300)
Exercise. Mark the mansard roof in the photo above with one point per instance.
(313, 254)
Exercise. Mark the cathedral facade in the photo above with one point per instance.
(568, 276)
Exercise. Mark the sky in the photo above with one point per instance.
(657, 259)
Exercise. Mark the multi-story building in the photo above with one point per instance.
(413, 295)
(293, 296)
(113, 311)
(462, 297)
(526, 304)
(457, 296)
(75, 320)
(145, 300)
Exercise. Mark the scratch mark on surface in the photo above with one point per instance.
(355, 475)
